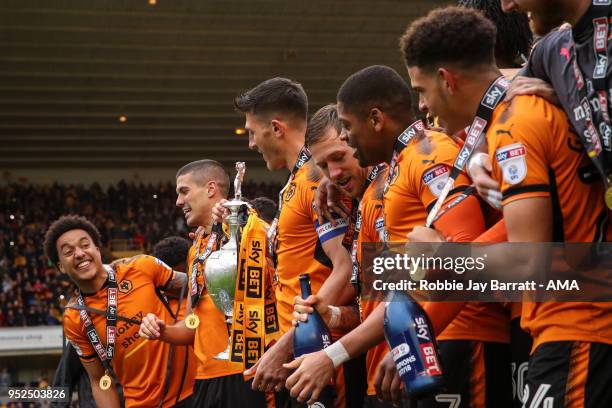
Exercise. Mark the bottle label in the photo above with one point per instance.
(404, 360)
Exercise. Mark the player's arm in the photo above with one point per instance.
(176, 284)
(153, 328)
(342, 318)
(337, 290)
(95, 371)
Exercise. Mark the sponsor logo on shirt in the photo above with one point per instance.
(435, 178)
(511, 159)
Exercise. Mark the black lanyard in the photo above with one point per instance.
(494, 95)
(400, 143)
(303, 156)
(198, 263)
(105, 354)
(357, 215)
(598, 133)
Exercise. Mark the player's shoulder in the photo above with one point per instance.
(71, 318)
(554, 40)
(528, 110)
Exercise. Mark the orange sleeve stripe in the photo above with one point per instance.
(464, 222)
(524, 195)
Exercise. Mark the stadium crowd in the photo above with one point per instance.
(134, 216)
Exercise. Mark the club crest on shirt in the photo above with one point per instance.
(290, 192)
(511, 160)
(394, 176)
(435, 178)
(125, 286)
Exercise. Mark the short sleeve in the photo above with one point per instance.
(519, 147)
(74, 331)
(431, 172)
(156, 269)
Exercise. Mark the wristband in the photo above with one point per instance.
(337, 353)
(476, 160)
(334, 319)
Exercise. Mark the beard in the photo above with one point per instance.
(547, 17)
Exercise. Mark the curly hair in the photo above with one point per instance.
(453, 35)
(514, 37)
(173, 251)
(61, 226)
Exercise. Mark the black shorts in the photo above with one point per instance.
(226, 392)
(476, 375)
(569, 374)
(520, 348)
(372, 401)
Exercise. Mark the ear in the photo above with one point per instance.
(278, 127)
(376, 119)
(60, 267)
(211, 188)
(448, 80)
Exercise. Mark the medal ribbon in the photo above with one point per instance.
(400, 143)
(105, 354)
(494, 95)
(598, 131)
(197, 266)
(303, 156)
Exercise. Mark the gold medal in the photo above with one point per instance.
(608, 197)
(192, 321)
(105, 382)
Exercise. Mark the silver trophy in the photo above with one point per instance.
(222, 265)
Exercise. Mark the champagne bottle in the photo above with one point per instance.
(313, 334)
(413, 346)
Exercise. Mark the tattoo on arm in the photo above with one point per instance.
(176, 284)
(349, 317)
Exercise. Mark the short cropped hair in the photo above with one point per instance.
(514, 37)
(266, 208)
(451, 35)
(206, 170)
(323, 119)
(274, 96)
(377, 86)
(61, 226)
(173, 251)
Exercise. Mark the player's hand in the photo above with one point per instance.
(388, 383)
(328, 199)
(532, 86)
(424, 234)
(303, 307)
(195, 235)
(219, 212)
(151, 327)
(269, 371)
(314, 372)
(480, 170)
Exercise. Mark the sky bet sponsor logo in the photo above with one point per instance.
(494, 94)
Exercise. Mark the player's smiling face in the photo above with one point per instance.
(335, 158)
(359, 135)
(193, 199)
(78, 256)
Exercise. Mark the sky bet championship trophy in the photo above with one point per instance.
(222, 265)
